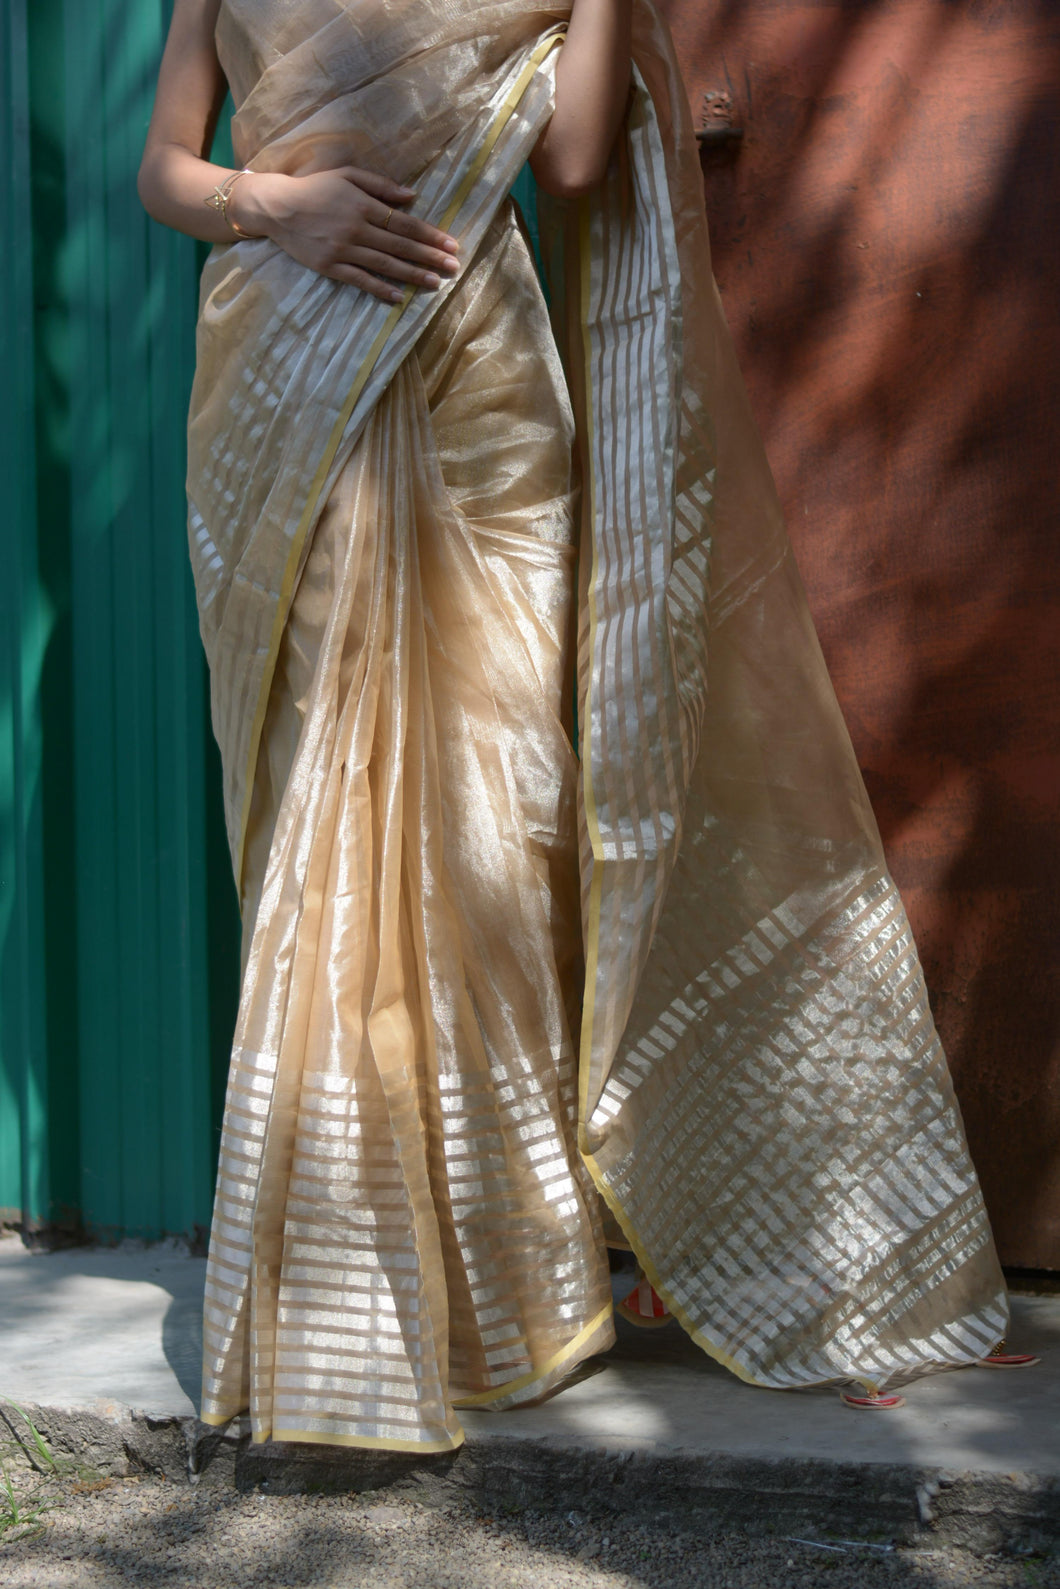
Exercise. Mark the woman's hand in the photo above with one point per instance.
(347, 224)
(336, 222)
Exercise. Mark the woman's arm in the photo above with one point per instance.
(592, 91)
(333, 221)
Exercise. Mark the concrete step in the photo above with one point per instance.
(103, 1346)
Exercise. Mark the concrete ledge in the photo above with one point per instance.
(104, 1347)
(805, 1497)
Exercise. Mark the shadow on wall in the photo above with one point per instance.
(886, 244)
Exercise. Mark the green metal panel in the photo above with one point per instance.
(116, 904)
(524, 192)
(23, 628)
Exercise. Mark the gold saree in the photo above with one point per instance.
(400, 519)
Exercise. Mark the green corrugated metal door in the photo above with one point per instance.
(23, 1090)
(118, 929)
(118, 943)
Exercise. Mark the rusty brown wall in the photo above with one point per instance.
(887, 241)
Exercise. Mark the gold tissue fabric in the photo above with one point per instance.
(486, 980)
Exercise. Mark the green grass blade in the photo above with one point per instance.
(42, 1449)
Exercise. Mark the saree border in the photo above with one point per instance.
(461, 1404)
(313, 1437)
(509, 106)
(483, 1398)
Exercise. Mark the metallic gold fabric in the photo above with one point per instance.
(384, 518)
(764, 1101)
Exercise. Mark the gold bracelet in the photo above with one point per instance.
(218, 199)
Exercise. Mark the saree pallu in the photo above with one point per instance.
(401, 521)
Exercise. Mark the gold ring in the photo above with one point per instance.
(389, 218)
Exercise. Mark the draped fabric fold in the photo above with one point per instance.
(403, 523)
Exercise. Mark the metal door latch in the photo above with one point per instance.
(718, 131)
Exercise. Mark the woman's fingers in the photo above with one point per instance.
(397, 245)
(379, 186)
(399, 251)
(401, 269)
(420, 232)
(391, 196)
(413, 238)
(355, 277)
(349, 225)
(410, 231)
(369, 266)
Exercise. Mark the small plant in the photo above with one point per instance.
(40, 1449)
(19, 1514)
(22, 1506)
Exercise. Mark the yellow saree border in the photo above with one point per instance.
(510, 105)
(218, 1420)
(592, 931)
(315, 1437)
(465, 1403)
(557, 1360)
(592, 945)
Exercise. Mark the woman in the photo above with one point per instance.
(394, 486)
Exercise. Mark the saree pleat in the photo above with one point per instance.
(406, 1209)
(486, 979)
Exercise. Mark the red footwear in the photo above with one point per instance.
(871, 1400)
(999, 1358)
(644, 1306)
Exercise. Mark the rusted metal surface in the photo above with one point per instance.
(887, 239)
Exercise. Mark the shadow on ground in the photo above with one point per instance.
(148, 1533)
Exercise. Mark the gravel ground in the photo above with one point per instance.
(99, 1534)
